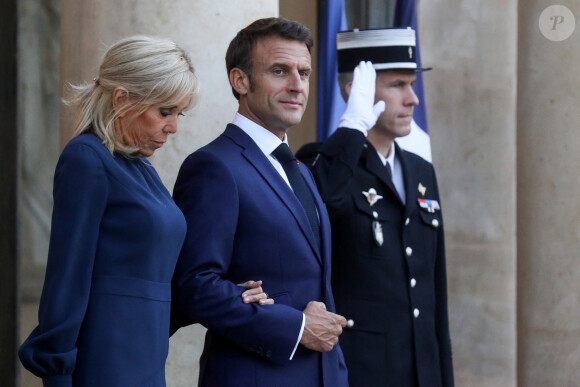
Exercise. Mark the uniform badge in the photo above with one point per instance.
(430, 205)
(378, 233)
(422, 189)
(372, 196)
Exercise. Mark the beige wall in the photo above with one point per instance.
(471, 109)
(548, 206)
(503, 116)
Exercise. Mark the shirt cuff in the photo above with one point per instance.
(299, 336)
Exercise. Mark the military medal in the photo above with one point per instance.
(378, 233)
(372, 196)
(430, 205)
(422, 189)
(377, 229)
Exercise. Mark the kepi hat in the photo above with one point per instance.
(386, 48)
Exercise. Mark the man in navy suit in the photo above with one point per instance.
(386, 221)
(245, 220)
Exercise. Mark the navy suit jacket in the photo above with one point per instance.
(244, 222)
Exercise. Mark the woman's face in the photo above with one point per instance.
(149, 130)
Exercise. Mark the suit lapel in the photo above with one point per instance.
(264, 167)
(324, 252)
(322, 215)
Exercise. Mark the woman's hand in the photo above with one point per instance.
(255, 293)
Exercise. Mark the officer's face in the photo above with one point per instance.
(279, 92)
(395, 88)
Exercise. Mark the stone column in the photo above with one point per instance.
(204, 28)
(471, 107)
(38, 103)
(547, 196)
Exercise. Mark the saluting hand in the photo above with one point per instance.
(361, 111)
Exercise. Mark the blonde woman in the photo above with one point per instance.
(116, 232)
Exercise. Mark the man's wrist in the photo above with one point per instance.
(352, 125)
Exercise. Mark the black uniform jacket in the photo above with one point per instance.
(394, 294)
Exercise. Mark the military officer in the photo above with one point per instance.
(388, 268)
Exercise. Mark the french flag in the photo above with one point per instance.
(330, 103)
(418, 140)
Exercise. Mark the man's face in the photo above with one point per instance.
(395, 88)
(279, 92)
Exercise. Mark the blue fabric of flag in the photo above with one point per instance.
(418, 141)
(330, 102)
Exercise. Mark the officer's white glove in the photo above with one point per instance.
(361, 112)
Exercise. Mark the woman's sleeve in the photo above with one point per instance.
(80, 197)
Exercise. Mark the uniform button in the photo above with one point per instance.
(375, 214)
(435, 223)
(408, 251)
(413, 282)
(407, 221)
(416, 312)
(350, 323)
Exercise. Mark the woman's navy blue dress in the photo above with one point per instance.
(104, 311)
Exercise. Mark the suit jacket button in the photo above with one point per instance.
(435, 223)
(350, 323)
(416, 312)
(413, 282)
(407, 221)
(408, 251)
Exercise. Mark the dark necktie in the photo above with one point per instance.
(390, 180)
(290, 165)
(389, 174)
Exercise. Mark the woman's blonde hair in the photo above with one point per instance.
(153, 71)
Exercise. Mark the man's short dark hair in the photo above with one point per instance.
(239, 52)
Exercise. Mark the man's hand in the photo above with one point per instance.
(361, 112)
(322, 327)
